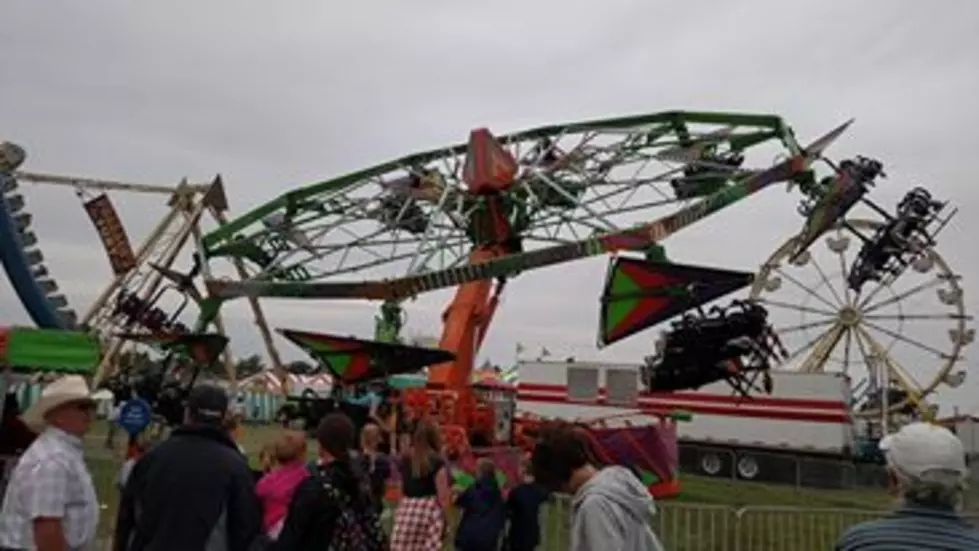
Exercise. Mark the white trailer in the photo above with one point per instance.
(807, 414)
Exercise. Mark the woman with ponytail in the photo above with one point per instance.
(419, 521)
(333, 509)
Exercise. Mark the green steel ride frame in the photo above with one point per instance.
(583, 189)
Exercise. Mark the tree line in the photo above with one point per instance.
(142, 360)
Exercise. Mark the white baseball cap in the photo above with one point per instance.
(921, 449)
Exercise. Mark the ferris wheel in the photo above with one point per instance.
(870, 297)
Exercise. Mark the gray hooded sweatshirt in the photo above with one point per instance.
(612, 512)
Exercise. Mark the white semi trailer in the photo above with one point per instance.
(766, 437)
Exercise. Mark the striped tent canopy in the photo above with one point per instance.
(267, 381)
(489, 378)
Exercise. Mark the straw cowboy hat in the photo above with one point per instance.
(67, 389)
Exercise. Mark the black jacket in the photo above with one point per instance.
(483, 516)
(314, 516)
(523, 510)
(192, 492)
(377, 473)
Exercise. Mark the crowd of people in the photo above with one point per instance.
(195, 490)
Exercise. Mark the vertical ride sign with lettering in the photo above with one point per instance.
(113, 235)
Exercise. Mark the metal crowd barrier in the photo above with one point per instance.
(697, 527)
(680, 526)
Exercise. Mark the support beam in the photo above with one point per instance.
(260, 321)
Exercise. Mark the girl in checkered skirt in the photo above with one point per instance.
(419, 520)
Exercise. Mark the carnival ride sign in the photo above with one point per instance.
(113, 235)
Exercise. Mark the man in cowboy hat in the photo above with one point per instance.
(194, 490)
(50, 502)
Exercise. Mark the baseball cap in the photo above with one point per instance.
(207, 403)
(924, 450)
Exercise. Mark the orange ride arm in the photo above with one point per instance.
(464, 326)
(487, 317)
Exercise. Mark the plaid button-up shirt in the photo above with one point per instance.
(50, 481)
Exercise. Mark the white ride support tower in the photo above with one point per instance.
(175, 237)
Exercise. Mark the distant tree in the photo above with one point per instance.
(248, 366)
(137, 360)
(301, 367)
(489, 366)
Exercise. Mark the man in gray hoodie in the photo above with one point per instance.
(611, 509)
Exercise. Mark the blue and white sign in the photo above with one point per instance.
(135, 415)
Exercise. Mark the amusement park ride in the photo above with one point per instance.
(474, 216)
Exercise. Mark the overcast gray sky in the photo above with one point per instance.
(273, 98)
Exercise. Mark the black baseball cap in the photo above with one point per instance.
(207, 404)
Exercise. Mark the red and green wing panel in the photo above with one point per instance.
(842, 195)
(354, 360)
(202, 348)
(640, 294)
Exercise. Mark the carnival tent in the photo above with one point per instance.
(267, 381)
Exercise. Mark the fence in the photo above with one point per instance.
(683, 527)
(795, 470)
(680, 526)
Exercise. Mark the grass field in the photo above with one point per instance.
(707, 503)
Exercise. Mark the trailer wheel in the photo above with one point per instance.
(711, 464)
(748, 468)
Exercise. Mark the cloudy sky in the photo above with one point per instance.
(273, 98)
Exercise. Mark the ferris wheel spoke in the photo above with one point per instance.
(904, 317)
(847, 344)
(822, 349)
(795, 354)
(806, 288)
(803, 326)
(907, 340)
(822, 275)
(879, 286)
(844, 271)
(865, 309)
(796, 307)
(879, 354)
(868, 360)
(883, 283)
